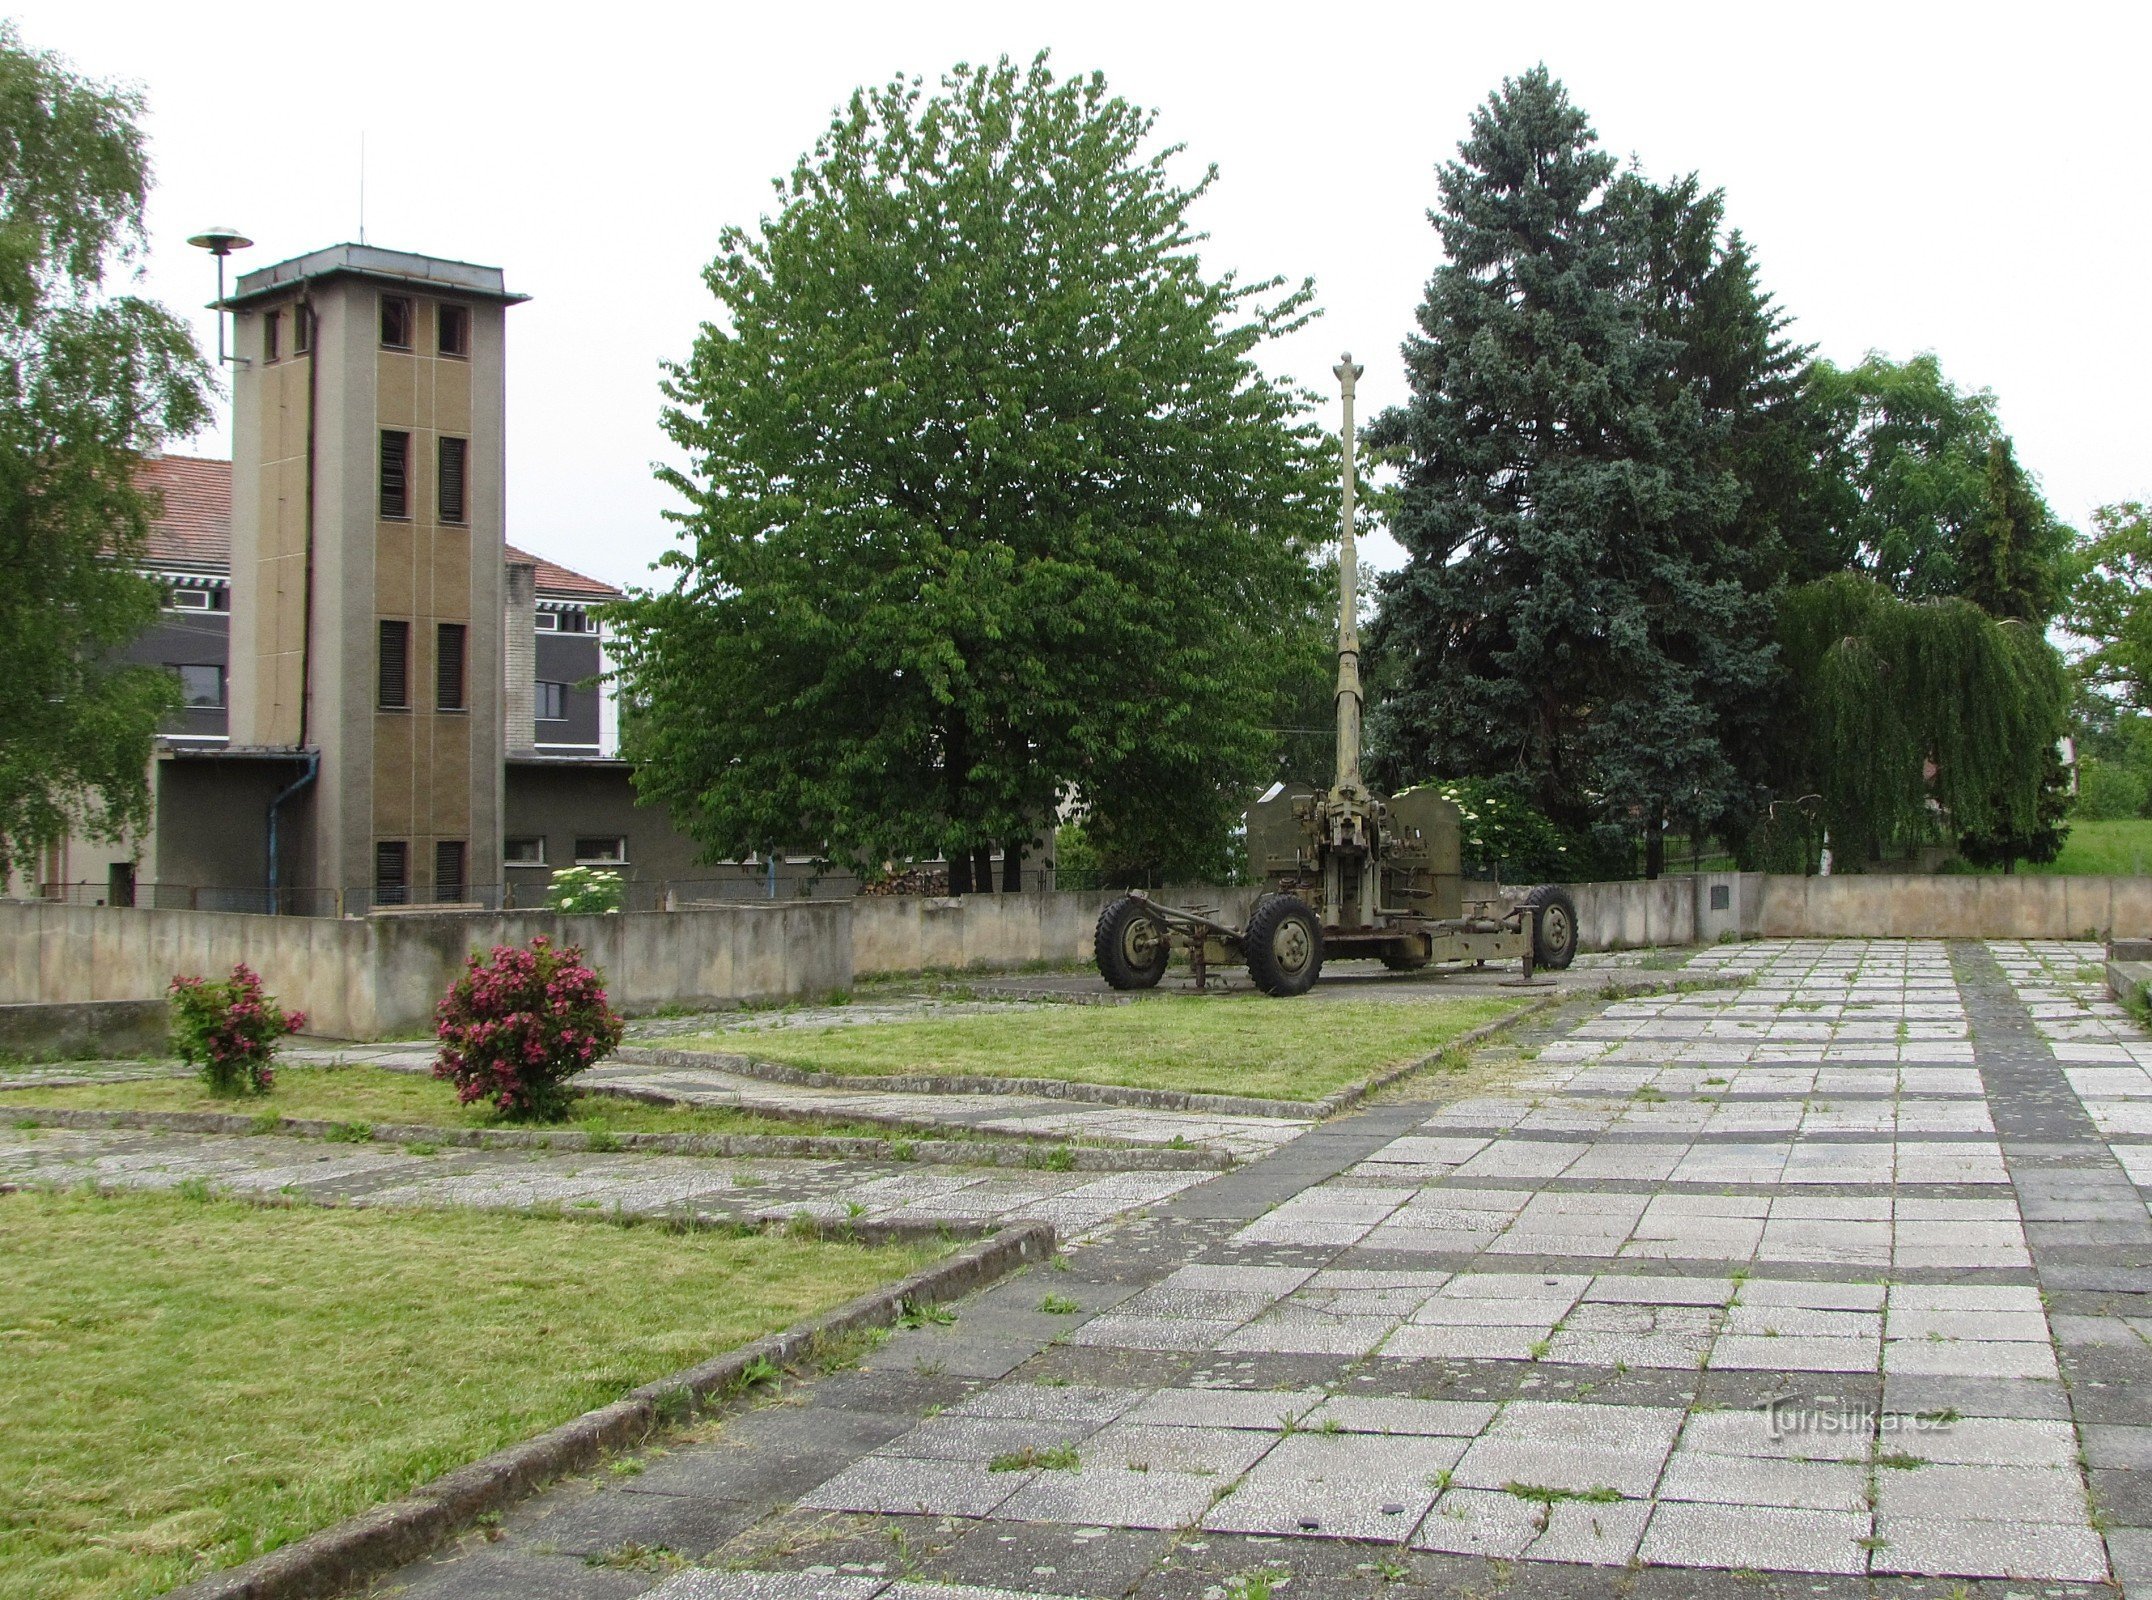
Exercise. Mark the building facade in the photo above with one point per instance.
(385, 703)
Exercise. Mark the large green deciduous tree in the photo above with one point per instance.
(1936, 503)
(1604, 470)
(90, 382)
(989, 503)
(2109, 605)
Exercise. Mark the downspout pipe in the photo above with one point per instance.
(313, 769)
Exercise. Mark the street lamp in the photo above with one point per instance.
(221, 242)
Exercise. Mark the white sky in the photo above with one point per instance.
(1963, 178)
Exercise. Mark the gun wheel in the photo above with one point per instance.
(1554, 926)
(1130, 945)
(1285, 946)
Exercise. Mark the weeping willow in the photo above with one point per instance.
(1916, 720)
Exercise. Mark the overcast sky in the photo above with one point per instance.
(1960, 178)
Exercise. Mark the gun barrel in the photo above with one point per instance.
(1349, 697)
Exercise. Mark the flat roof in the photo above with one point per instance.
(399, 267)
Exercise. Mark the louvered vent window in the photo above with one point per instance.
(395, 666)
(395, 474)
(455, 454)
(448, 667)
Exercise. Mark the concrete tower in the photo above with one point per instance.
(367, 531)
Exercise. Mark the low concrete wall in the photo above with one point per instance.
(1907, 907)
(381, 977)
(910, 933)
(77, 1030)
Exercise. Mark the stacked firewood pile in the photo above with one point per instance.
(916, 880)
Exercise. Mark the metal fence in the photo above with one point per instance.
(744, 887)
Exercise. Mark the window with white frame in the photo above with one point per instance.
(610, 850)
(189, 600)
(524, 852)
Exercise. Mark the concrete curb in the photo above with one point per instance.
(1353, 1093)
(360, 1548)
(924, 1152)
(1102, 1094)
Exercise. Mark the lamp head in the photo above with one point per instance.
(220, 241)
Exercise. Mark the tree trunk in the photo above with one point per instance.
(1655, 842)
(982, 868)
(1012, 867)
(960, 872)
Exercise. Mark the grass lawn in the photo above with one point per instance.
(2122, 848)
(1248, 1045)
(374, 1094)
(192, 1382)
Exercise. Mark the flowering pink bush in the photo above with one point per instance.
(516, 1027)
(229, 1030)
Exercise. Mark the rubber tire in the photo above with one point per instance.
(1265, 927)
(1554, 926)
(1395, 957)
(1117, 963)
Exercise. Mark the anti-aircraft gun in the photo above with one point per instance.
(1347, 871)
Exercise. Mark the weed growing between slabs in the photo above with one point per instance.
(192, 1382)
(367, 1095)
(1217, 1044)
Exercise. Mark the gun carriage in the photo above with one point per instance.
(1347, 872)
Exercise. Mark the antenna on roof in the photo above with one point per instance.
(221, 242)
(362, 186)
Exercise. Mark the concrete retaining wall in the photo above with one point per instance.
(78, 1030)
(1893, 906)
(908, 933)
(380, 977)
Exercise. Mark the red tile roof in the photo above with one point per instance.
(195, 527)
(557, 582)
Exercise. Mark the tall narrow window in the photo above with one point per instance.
(448, 667)
(271, 322)
(454, 323)
(392, 872)
(395, 666)
(395, 474)
(448, 871)
(302, 329)
(396, 322)
(552, 701)
(455, 454)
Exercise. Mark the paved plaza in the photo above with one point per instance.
(1830, 1281)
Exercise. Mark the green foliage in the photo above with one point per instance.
(89, 384)
(583, 890)
(2107, 792)
(2108, 605)
(1499, 828)
(2007, 842)
(1884, 689)
(1936, 504)
(1598, 470)
(2011, 556)
(988, 501)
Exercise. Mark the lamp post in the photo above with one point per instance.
(221, 242)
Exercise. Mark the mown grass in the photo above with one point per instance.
(2121, 848)
(1245, 1045)
(375, 1094)
(192, 1382)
